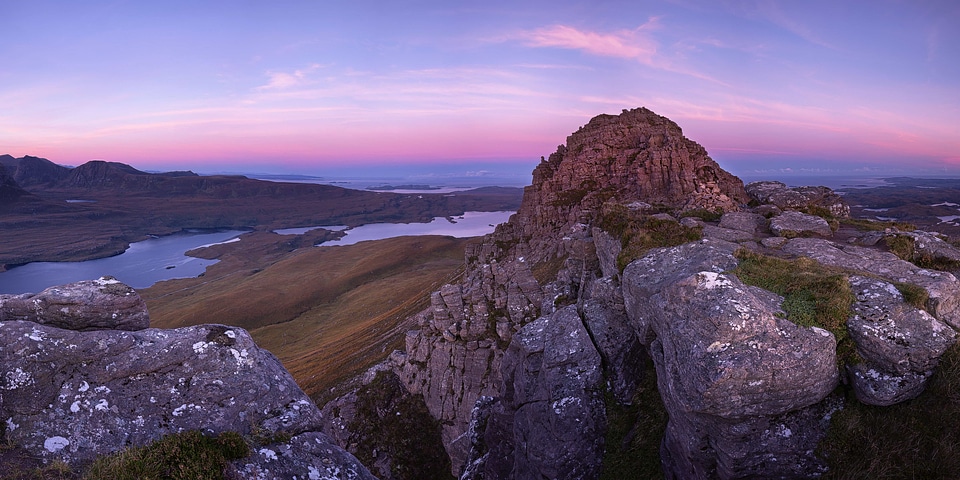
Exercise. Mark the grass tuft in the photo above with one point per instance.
(183, 456)
(639, 233)
(813, 295)
(634, 432)
(913, 439)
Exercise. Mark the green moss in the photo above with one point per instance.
(188, 455)
(913, 439)
(640, 233)
(903, 246)
(813, 294)
(868, 225)
(704, 214)
(913, 294)
(400, 426)
(634, 432)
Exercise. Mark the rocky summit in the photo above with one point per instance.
(635, 264)
(625, 251)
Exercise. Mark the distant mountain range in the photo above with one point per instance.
(56, 213)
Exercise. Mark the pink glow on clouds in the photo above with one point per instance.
(757, 83)
(634, 43)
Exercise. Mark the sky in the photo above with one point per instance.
(320, 87)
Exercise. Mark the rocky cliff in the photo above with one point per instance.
(627, 247)
(84, 377)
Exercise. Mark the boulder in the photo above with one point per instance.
(73, 395)
(799, 198)
(727, 234)
(929, 246)
(310, 455)
(102, 304)
(735, 376)
(900, 344)
(664, 266)
(751, 223)
(793, 224)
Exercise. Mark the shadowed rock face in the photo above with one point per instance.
(74, 395)
(455, 357)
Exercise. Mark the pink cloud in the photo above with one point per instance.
(634, 43)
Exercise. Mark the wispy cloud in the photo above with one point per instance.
(771, 11)
(286, 80)
(636, 43)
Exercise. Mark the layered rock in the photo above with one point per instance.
(792, 224)
(549, 419)
(512, 360)
(799, 198)
(75, 395)
(102, 304)
(546, 257)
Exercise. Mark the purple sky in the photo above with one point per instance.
(315, 86)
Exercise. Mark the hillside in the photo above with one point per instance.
(328, 313)
(99, 208)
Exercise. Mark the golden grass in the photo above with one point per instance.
(327, 312)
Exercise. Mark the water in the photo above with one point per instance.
(142, 265)
(470, 224)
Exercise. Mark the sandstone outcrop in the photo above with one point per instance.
(792, 224)
(727, 362)
(545, 257)
(102, 304)
(74, 395)
(799, 198)
(554, 310)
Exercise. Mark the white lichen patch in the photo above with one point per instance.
(559, 405)
(102, 405)
(242, 357)
(200, 347)
(717, 347)
(17, 378)
(821, 331)
(270, 455)
(230, 334)
(84, 386)
(75, 407)
(712, 280)
(11, 426)
(103, 281)
(54, 444)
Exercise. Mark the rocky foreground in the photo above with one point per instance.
(555, 317)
